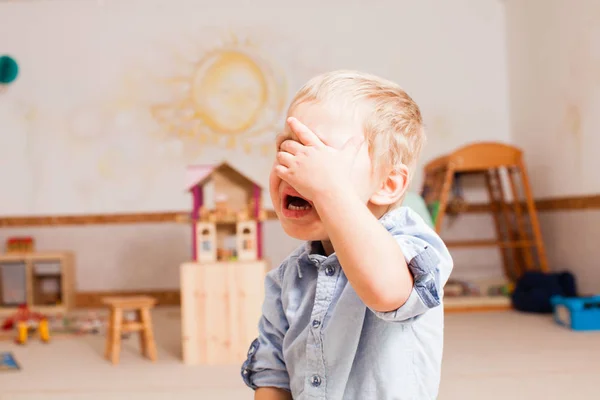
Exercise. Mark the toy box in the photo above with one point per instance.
(577, 313)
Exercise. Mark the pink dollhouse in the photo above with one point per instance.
(226, 216)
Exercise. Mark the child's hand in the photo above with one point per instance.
(313, 168)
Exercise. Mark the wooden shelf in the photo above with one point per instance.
(38, 256)
(63, 275)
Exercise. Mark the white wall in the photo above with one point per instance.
(75, 130)
(554, 66)
(133, 257)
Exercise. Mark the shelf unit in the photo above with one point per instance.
(44, 281)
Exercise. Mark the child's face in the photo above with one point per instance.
(334, 130)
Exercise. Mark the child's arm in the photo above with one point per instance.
(269, 393)
(367, 255)
(264, 366)
(372, 259)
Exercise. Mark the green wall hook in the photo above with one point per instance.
(9, 70)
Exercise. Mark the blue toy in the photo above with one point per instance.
(577, 313)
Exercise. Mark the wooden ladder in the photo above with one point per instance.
(518, 235)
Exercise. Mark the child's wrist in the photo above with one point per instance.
(335, 197)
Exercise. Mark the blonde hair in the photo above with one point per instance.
(391, 119)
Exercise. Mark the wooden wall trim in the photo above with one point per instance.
(92, 219)
(591, 202)
(571, 203)
(101, 219)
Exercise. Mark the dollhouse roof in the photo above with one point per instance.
(200, 174)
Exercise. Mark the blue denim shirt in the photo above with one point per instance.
(318, 340)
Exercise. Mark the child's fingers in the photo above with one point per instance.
(305, 135)
(291, 146)
(282, 137)
(284, 158)
(281, 171)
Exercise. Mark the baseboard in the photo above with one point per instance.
(172, 298)
(476, 304)
(94, 299)
(476, 308)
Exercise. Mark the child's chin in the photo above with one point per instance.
(304, 232)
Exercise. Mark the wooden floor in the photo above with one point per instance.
(488, 356)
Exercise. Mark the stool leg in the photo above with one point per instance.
(149, 335)
(109, 334)
(116, 335)
(143, 338)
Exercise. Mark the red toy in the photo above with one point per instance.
(20, 245)
(23, 314)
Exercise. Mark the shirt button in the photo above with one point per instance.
(316, 323)
(329, 270)
(315, 380)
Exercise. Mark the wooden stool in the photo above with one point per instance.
(116, 325)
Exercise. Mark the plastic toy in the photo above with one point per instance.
(25, 321)
(577, 313)
(20, 245)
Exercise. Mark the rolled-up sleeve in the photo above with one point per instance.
(264, 366)
(429, 262)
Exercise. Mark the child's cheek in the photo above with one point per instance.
(361, 174)
(274, 182)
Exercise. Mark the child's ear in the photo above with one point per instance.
(392, 187)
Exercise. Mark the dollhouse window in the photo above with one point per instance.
(247, 244)
(246, 231)
(206, 240)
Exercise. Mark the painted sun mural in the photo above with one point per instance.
(230, 95)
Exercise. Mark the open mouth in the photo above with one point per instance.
(295, 203)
